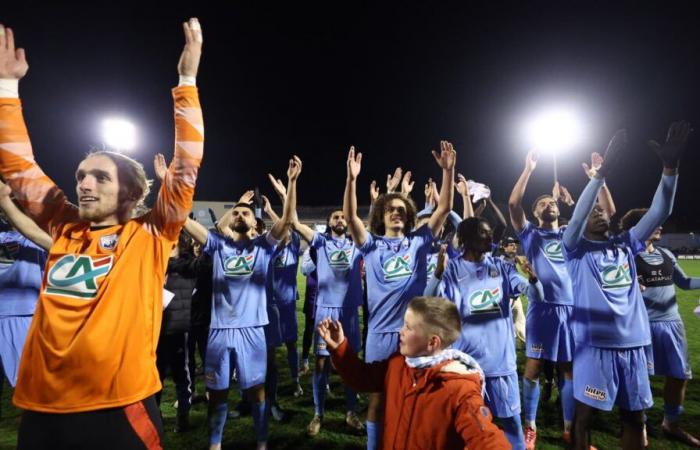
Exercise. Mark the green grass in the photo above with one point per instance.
(290, 434)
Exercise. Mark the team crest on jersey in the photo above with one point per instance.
(9, 252)
(78, 276)
(109, 242)
(616, 276)
(397, 267)
(485, 300)
(239, 265)
(552, 251)
(340, 259)
(280, 260)
(431, 268)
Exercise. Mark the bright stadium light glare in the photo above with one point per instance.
(554, 130)
(119, 134)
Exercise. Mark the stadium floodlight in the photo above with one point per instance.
(554, 131)
(119, 134)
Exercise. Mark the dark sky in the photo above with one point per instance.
(392, 79)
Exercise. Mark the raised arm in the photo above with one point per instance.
(174, 201)
(37, 194)
(446, 160)
(197, 231)
(463, 188)
(268, 210)
(501, 225)
(670, 154)
(21, 221)
(605, 199)
(280, 228)
(515, 202)
(577, 224)
(355, 225)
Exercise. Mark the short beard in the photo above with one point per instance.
(242, 228)
(339, 230)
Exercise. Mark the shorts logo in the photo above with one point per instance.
(77, 275)
(484, 300)
(536, 348)
(595, 394)
(239, 265)
(340, 259)
(616, 276)
(9, 252)
(397, 267)
(552, 251)
(109, 242)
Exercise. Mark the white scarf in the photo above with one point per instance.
(420, 362)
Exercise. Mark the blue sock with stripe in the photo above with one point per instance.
(259, 412)
(531, 398)
(216, 422)
(374, 434)
(568, 404)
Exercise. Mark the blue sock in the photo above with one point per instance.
(374, 435)
(319, 389)
(350, 399)
(293, 360)
(531, 397)
(259, 413)
(568, 404)
(216, 421)
(672, 413)
(513, 431)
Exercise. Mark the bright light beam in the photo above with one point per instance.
(553, 131)
(119, 134)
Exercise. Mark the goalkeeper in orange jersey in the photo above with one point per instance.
(88, 376)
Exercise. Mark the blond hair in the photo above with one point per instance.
(440, 317)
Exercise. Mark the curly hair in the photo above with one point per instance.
(376, 217)
(468, 229)
(631, 218)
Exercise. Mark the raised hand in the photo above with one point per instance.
(294, 169)
(13, 62)
(393, 181)
(331, 331)
(613, 154)
(278, 186)
(596, 162)
(434, 192)
(442, 260)
(191, 54)
(461, 185)
(373, 191)
(406, 183)
(531, 161)
(561, 194)
(265, 203)
(247, 197)
(671, 151)
(526, 267)
(447, 157)
(160, 166)
(354, 163)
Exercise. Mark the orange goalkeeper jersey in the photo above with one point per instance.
(92, 343)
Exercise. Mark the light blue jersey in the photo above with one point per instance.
(609, 310)
(285, 262)
(482, 293)
(659, 272)
(21, 270)
(396, 270)
(543, 250)
(339, 272)
(240, 270)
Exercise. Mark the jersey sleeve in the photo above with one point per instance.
(176, 193)
(36, 193)
(213, 243)
(425, 234)
(319, 240)
(369, 244)
(526, 235)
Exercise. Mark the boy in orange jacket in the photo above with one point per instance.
(433, 394)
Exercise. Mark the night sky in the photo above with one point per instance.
(392, 79)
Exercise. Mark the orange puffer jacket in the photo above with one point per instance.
(431, 408)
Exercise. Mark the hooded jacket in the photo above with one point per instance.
(431, 408)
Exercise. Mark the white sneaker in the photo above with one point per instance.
(277, 413)
(298, 392)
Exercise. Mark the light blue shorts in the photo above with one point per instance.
(548, 332)
(13, 332)
(348, 317)
(242, 348)
(668, 353)
(381, 346)
(503, 395)
(604, 377)
(282, 326)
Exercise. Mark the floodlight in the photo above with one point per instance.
(119, 134)
(553, 130)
